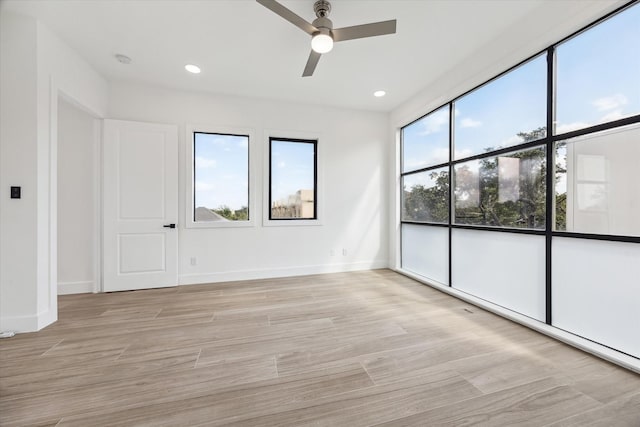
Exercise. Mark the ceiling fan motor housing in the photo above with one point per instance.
(322, 8)
(323, 24)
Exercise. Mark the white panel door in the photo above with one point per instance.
(140, 185)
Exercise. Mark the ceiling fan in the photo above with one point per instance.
(322, 31)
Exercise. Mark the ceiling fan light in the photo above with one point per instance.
(322, 43)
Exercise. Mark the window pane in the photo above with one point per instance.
(506, 112)
(425, 251)
(425, 196)
(598, 73)
(292, 179)
(502, 191)
(595, 291)
(426, 142)
(221, 177)
(505, 268)
(597, 187)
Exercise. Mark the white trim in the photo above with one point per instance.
(227, 276)
(292, 134)
(395, 200)
(47, 317)
(97, 206)
(83, 287)
(253, 173)
(52, 310)
(31, 323)
(591, 347)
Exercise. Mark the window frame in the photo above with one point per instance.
(552, 136)
(191, 130)
(549, 140)
(301, 137)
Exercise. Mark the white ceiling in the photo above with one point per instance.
(245, 49)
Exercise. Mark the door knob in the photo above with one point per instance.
(169, 226)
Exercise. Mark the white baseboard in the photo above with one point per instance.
(66, 288)
(32, 323)
(592, 347)
(230, 276)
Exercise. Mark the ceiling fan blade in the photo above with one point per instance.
(296, 20)
(314, 57)
(365, 30)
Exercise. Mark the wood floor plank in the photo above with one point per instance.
(224, 405)
(500, 370)
(602, 380)
(624, 412)
(347, 349)
(336, 352)
(45, 382)
(419, 360)
(370, 405)
(532, 404)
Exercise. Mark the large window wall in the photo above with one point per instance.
(524, 191)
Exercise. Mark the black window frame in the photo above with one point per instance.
(549, 141)
(193, 177)
(314, 142)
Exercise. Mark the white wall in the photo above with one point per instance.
(36, 67)
(353, 161)
(77, 216)
(18, 148)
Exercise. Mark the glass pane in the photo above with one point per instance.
(426, 142)
(507, 269)
(425, 251)
(598, 73)
(595, 291)
(506, 112)
(425, 196)
(221, 177)
(503, 191)
(597, 187)
(293, 183)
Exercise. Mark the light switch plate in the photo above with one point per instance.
(15, 192)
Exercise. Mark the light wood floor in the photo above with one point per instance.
(349, 349)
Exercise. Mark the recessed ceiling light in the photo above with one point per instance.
(123, 59)
(379, 93)
(192, 68)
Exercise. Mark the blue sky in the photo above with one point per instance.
(291, 168)
(423, 178)
(221, 170)
(598, 73)
(598, 80)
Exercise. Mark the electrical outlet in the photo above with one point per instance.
(194, 261)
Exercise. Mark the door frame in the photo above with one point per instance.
(56, 95)
(96, 203)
